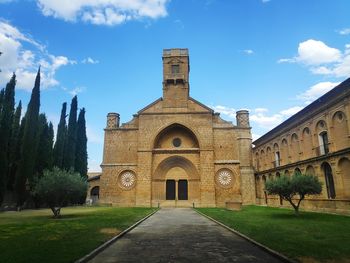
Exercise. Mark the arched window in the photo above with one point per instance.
(307, 143)
(294, 151)
(323, 147)
(257, 161)
(297, 171)
(284, 152)
(277, 161)
(310, 170)
(340, 131)
(327, 170)
(344, 168)
(323, 140)
(286, 173)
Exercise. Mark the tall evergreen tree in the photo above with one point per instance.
(29, 146)
(58, 151)
(2, 95)
(44, 154)
(81, 149)
(69, 155)
(14, 151)
(5, 132)
(51, 135)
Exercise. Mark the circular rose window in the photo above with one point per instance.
(127, 179)
(224, 178)
(177, 142)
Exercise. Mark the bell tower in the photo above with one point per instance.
(176, 70)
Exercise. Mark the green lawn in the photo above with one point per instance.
(308, 236)
(34, 236)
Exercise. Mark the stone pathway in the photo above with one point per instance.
(181, 235)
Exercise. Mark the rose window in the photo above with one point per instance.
(127, 179)
(224, 178)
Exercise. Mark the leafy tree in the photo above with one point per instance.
(297, 185)
(15, 146)
(69, 155)
(60, 188)
(29, 146)
(81, 150)
(6, 120)
(58, 151)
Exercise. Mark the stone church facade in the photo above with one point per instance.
(177, 151)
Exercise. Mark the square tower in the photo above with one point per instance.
(176, 70)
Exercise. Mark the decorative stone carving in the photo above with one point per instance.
(242, 118)
(112, 120)
(127, 180)
(224, 178)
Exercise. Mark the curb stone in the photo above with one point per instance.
(265, 248)
(102, 247)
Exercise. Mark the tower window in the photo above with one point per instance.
(175, 69)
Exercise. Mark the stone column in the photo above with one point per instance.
(244, 143)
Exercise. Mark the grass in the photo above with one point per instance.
(309, 236)
(34, 236)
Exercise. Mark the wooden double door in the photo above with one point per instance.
(176, 190)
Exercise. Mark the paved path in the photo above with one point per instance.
(181, 235)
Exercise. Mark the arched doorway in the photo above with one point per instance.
(175, 161)
(327, 170)
(95, 194)
(175, 182)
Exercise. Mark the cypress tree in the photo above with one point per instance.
(69, 156)
(15, 146)
(50, 139)
(81, 149)
(5, 132)
(2, 95)
(58, 150)
(43, 156)
(29, 144)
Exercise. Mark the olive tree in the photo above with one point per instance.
(58, 188)
(298, 185)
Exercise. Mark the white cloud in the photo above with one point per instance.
(291, 111)
(231, 112)
(322, 59)
(316, 91)
(264, 121)
(25, 61)
(103, 12)
(90, 60)
(248, 51)
(344, 31)
(314, 52)
(76, 91)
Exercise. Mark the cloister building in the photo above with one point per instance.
(313, 141)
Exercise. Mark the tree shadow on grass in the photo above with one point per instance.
(292, 215)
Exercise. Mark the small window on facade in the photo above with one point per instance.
(277, 159)
(175, 69)
(177, 142)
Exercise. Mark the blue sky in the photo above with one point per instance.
(271, 57)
